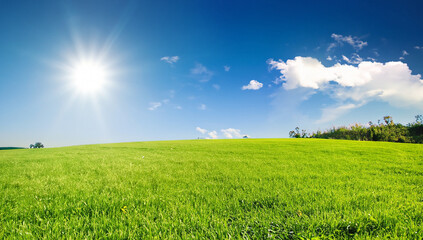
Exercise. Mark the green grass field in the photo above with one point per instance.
(214, 189)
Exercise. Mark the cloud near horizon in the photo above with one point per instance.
(213, 135)
(210, 134)
(228, 133)
(201, 130)
(231, 133)
(353, 86)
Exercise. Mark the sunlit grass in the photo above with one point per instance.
(249, 188)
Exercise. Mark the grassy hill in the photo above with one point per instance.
(248, 188)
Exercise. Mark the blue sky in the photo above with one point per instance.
(184, 69)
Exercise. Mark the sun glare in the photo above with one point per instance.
(89, 76)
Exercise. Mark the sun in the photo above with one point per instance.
(89, 76)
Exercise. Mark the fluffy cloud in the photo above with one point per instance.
(355, 42)
(231, 133)
(209, 134)
(169, 59)
(391, 82)
(228, 133)
(201, 130)
(201, 72)
(253, 85)
(154, 105)
(213, 135)
(227, 68)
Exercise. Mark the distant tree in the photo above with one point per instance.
(297, 134)
(388, 120)
(36, 145)
(419, 119)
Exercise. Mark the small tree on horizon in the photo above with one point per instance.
(419, 119)
(36, 145)
(388, 120)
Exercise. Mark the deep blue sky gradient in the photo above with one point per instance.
(37, 37)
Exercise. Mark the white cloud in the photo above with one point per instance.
(169, 59)
(202, 107)
(391, 82)
(345, 58)
(216, 86)
(355, 42)
(253, 85)
(277, 80)
(154, 105)
(201, 130)
(201, 72)
(178, 107)
(210, 134)
(355, 59)
(329, 58)
(418, 47)
(332, 45)
(227, 68)
(231, 133)
(213, 134)
(228, 133)
(404, 53)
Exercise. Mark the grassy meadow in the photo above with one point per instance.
(214, 189)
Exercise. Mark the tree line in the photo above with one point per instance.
(384, 130)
